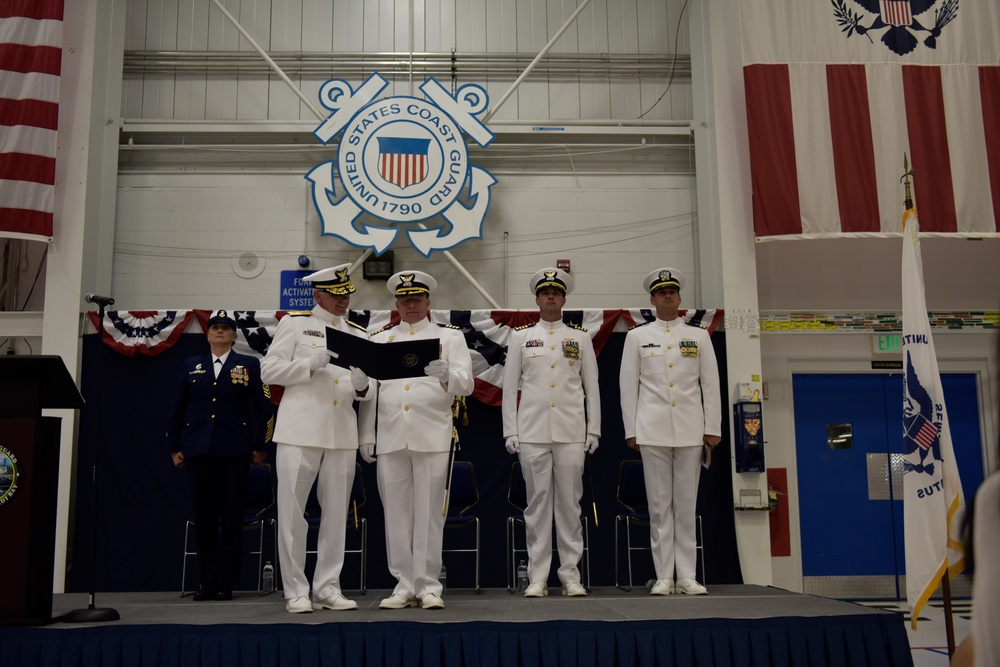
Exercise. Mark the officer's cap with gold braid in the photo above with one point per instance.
(551, 277)
(665, 277)
(336, 280)
(405, 283)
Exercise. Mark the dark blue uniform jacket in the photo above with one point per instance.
(230, 416)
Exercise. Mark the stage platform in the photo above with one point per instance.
(734, 625)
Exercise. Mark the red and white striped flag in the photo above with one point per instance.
(30, 61)
(836, 94)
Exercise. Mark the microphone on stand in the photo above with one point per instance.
(93, 613)
(103, 301)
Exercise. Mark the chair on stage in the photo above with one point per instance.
(632, 495)
(354, 520)
(517, 495)
(258, 515)
(462, 497)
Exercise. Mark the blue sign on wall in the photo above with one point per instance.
(295, 293)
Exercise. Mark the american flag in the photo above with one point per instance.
(832, 106)
(30, 61)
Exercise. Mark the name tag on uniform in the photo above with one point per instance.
(534, 343)
(689, 348)
(651, 345)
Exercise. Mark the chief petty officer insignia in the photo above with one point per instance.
(689, 348)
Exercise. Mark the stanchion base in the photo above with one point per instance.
(90, 615)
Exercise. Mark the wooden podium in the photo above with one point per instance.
(29, 481)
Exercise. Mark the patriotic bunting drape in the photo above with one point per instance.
(148, 333)
(30, 62)
(837, 92)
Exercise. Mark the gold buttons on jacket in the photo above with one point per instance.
(406, 388)
(671, 384)
(334, 401)
(336, 380)
(670, 347)
(406, 408)
(213, 399)
(553, 384)
(672, 404)
(553, 365)
(552, 405)
(552, 347)
(670, 365)
(413, 333)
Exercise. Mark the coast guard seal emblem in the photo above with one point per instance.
(8, 474)
(403, 162)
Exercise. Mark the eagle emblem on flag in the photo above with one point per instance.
(921, 439)
(897, 20)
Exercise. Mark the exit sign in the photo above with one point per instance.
(887, 344)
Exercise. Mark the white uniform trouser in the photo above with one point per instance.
(553, 478)
(672, 475)
(297, 468)
(411, 485)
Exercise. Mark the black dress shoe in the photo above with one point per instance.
(224, 594)
(205, 593)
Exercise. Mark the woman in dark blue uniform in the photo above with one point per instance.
(219, 423)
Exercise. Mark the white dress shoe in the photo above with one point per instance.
(536, 590)
(662, 587)
(432, 601)
(299, 605)
(335, 602)
(397, 601)
(574, 589)
(690, 587)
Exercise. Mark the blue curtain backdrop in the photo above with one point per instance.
(144, 501)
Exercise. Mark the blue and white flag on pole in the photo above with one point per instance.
(932, 491)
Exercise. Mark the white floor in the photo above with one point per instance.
(929, 642)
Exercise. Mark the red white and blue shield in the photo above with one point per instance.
(896, 12)
(403, 160)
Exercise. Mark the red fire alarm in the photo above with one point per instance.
(563, 264)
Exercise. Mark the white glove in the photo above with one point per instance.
(591, 445)
(437, 369)
(319, 359)
(359, 379)
(513, 445)
(368, 452)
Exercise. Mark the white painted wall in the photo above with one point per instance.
(177, 237)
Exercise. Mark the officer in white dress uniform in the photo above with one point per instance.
(557, 422)
(316, 436)
(413, 440)
(671, 409)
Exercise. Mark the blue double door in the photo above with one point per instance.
(848, 435)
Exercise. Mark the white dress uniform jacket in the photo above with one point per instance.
(556, 369)
(415, 413)
(316, 409)
(670, 385)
